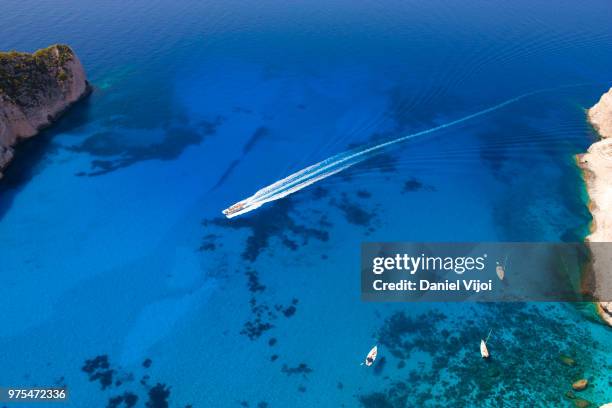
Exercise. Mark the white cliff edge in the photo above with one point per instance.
(597, 169)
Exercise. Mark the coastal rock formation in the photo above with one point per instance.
(581, 403)
(568, 361)
(605, 310)
(580, 385)
(34, 90)
(597, 167)
(600, 115)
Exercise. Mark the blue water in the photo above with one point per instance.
(121, 279)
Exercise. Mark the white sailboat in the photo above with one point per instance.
(371, 356)
(500, 269)
(484, 350)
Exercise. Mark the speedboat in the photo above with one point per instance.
(240, 207)
(234, 208)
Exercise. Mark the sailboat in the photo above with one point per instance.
(501, 269)
(371, 356)
(484, 350)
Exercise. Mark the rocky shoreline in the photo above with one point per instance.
(34, 90)
(596, 164)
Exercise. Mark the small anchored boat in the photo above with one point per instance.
(499, 269)
(484, 350)
(371, 356)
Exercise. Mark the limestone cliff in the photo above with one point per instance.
(600, 115)
(34, 90)
(597, 167)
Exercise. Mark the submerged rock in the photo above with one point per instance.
(581, 403)
(580, 384)
(34, 90)
(568, 361)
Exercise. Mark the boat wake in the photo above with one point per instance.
(335, 164)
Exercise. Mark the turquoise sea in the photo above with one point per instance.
(122, 281)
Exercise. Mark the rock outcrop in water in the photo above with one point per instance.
(34, 90)
(597, 167)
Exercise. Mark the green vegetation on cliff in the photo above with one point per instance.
(24, 77)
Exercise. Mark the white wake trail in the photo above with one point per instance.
(342, 161)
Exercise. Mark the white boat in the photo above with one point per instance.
(484, 351)
(241, 207)
(499, 269)
(371, 356)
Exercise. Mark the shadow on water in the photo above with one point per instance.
(113, 153)
(31, 154)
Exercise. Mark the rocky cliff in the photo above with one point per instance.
(600, 115)
(597, 167)
(34, 90)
